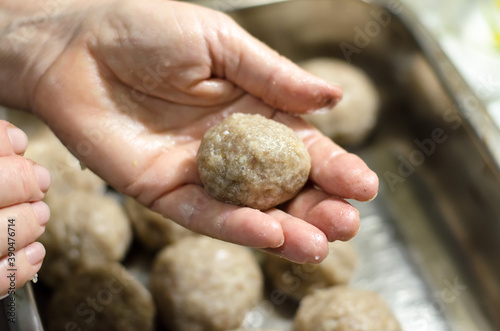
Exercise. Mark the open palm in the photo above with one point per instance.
(137, 84)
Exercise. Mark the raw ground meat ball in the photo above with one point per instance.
(298, 280)
(203, 284)
(101, 298)
(355, 116)
(45, 149)
(65, 169)
(341, 308)
(153, 230)
(84, 229)
(249, 160)
(29, 123)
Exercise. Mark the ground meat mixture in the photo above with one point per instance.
(342, 308)
(203, 284)
(249, 160)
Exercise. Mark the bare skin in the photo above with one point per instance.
(130, 87)
(23, 186)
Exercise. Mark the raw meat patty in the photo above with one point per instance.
(29, 123)
(203, 284)
(84, 229)
(153, 230)
(65, 169)
(101, 298)
(341, 308)
(298, 280)
(249, 160)
(355, 116)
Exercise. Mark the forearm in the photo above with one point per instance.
(32, 34)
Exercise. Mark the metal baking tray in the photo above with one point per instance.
(429, 242)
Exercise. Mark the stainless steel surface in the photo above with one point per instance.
(429, 242)
(25, 313)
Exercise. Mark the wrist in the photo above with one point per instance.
(32, 35)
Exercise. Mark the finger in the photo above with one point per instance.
(247, 104)
(22, 223)
(337, 172)
(335, 217)
(304, 243)
(340, 173)
(22, 267)
(192, 208)
(261, 71)
(12, 140)
(22, 181)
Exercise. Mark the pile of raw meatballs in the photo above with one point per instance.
(112, 264)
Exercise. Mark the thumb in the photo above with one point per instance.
(264, 73)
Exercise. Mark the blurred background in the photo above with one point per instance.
(469, 33)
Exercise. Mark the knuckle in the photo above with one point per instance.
(20, 174)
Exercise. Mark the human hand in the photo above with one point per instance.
(132, 87)
(22, 215)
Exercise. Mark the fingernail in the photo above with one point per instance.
(3, 297)
(281, 243)
(18, 139)
(35, 253)
(339, 91)
(373, 198)
(43, 177)
(318, 111)
(42, 212)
